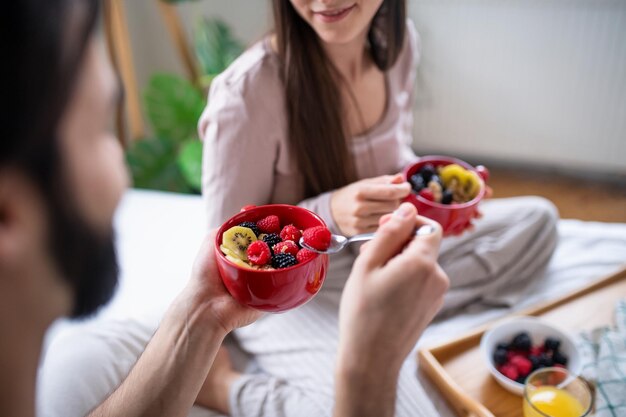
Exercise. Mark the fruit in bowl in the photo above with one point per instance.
(515, 348)
(446, 190)
(261, 262)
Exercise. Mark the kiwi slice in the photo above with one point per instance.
(236, 240)
(238, 261)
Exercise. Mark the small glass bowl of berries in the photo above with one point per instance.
(446, 190)
(515, 348)
(260, 260)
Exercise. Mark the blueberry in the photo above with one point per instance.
(427, 172)
(417, 182)
(436, 178)
(522, 342)
(560, 358)
(552, 343)
(446, 197)
(521, 379)
(499, 356)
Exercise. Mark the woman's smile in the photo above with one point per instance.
(333, 15)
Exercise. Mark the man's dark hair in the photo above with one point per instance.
(43, 49)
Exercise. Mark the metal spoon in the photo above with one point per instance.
(338, 242)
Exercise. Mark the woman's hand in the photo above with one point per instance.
(358, 207)
(205, 293)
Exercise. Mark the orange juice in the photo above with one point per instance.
(552, 402)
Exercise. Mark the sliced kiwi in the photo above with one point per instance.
(238, 261)
(236, 240)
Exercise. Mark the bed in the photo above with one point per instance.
(158, 235)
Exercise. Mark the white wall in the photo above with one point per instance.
(532, 81)
(539, 81)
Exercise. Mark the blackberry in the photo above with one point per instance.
(535, 361)
(545, 360)
(522, 342)
(521, 379)
(427, 172)
(552, 343)
(500, 356)
(446, 197)
(283, 260)
(559, 358)
(253, 226)
(271, 239)
(503, 345)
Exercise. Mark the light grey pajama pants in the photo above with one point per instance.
(294, 352)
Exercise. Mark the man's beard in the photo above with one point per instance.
(85, 257)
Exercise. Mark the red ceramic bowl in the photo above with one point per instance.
(273, 290)
(453, 218)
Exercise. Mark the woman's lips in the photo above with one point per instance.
(331, 16)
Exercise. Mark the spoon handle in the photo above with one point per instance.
(361, 238)
(422, 231)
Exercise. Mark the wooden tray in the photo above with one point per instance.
(456, 367)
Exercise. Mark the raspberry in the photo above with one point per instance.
(290, 232)
(304, 255)
(258, 253)
(270, 224)
(317, 237)
(286, 246)
(427, 193)
(509, 371)
(522, 364)
(252, 226)
(271, 239)
(283, 260)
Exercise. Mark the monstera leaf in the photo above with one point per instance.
(174, 106)
(215, 46)
(190, 162)
(153, 165)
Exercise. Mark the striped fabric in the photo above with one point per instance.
(604, 363)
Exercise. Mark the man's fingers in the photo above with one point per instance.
(390, 237)
(423, 250)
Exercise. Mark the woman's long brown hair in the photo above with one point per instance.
(314, 107)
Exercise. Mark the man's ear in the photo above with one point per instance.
(20, 214)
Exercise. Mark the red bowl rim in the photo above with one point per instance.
(451, 160)
(266, 271)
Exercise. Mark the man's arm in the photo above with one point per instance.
(169, 374)
(394, 291)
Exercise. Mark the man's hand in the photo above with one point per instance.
(206, 292)
(358, 207)
(394, 291)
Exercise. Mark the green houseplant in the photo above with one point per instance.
(171, 160)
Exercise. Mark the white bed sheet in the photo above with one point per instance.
(158, 236)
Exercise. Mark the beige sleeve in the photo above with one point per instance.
(239, 153)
